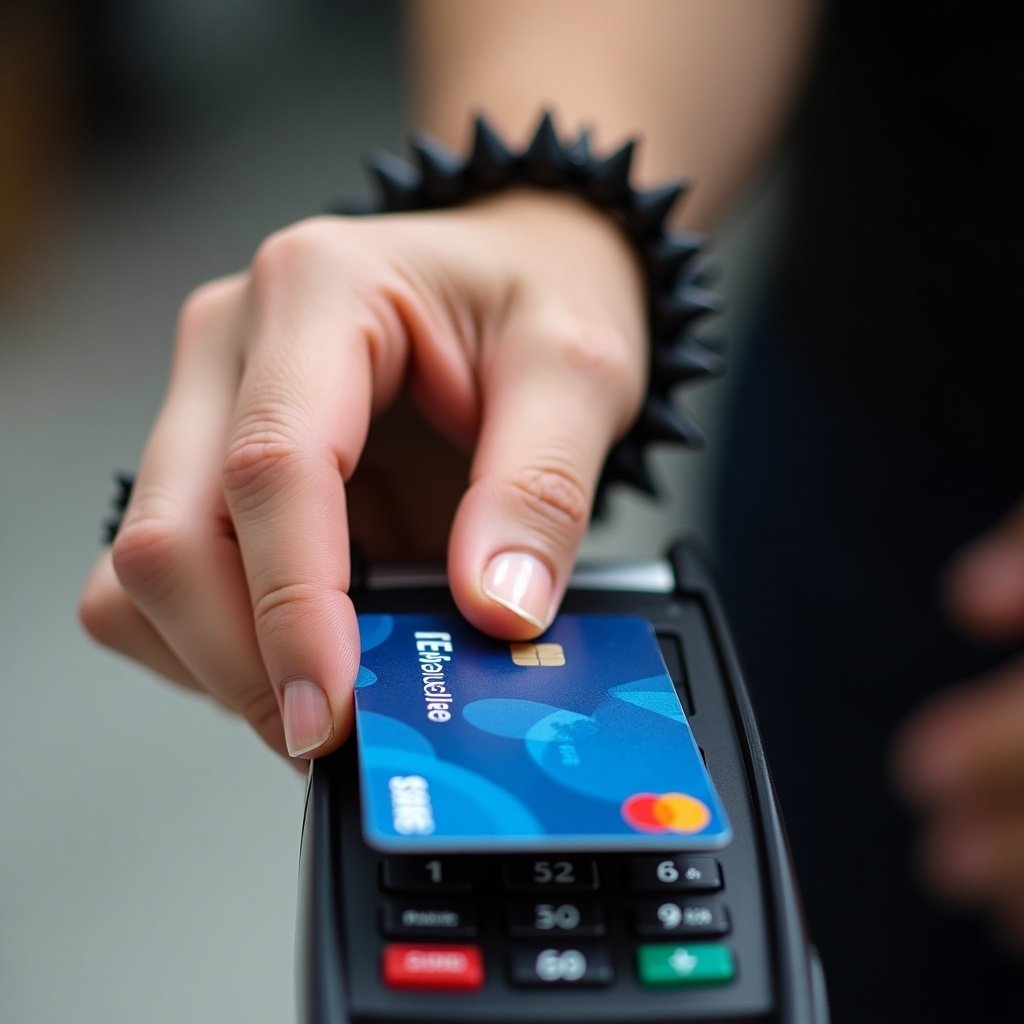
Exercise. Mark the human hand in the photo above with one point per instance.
(517, 328)
(961, 759)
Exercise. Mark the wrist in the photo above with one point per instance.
(672, 301)
(564, 227)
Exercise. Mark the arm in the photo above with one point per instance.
(706, 83)
(516, 325)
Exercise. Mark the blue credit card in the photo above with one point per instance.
(575, 741)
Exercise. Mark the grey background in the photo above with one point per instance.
(148, 843)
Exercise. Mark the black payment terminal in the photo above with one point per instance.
(556, 937)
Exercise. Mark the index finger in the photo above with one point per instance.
(319, 355)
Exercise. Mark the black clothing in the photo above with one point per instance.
(877, 426)
(902, 268)
(833, 530)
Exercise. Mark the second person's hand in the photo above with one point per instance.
(516, 326)
(960, 759)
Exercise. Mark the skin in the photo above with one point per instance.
(230, 571)
(705, 84)
(960, 759)
(513, 327)
(498, 351)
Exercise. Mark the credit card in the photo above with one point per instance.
(575, 741)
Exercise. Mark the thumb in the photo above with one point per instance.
(985, 586)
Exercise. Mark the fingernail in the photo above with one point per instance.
(520, 583)
(308, 722)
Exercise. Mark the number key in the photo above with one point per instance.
(539, 920)
(561, 965)
(426, 874)
(565, 874)
(689, 874)
(685, 918)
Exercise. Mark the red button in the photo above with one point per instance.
(458, 968)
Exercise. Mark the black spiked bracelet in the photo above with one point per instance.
(118, 503)
(676, 297)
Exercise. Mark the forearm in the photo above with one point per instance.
(706, 83)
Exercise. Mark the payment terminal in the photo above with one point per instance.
(578, 829)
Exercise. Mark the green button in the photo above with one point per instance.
(701, 963)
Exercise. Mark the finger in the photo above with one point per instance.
(956, 855)
(1010, 924)
(985, 588)
(175, 554)
(995, 870)
(326, 345)
(974, 856)
(968, 743)
(557, 390)
(109, 616)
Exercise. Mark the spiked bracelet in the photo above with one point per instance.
(676, 300)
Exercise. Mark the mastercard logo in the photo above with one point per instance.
(665, 812)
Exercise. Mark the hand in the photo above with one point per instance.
(962, 758)
(515, 326)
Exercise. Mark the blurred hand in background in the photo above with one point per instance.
(961, 758)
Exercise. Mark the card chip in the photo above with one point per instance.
(548, 655)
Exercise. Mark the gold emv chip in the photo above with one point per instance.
(547, 655)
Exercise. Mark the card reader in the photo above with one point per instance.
(607, 936)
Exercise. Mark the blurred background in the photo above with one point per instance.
(148, 843)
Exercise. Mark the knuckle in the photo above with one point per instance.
(555, 499)
(148, 553)
(258, 465)
(287, 252)
(283, 609)
(98, 615)
(597, 354)
(201, 305)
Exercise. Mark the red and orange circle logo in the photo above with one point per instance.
(666, 812)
